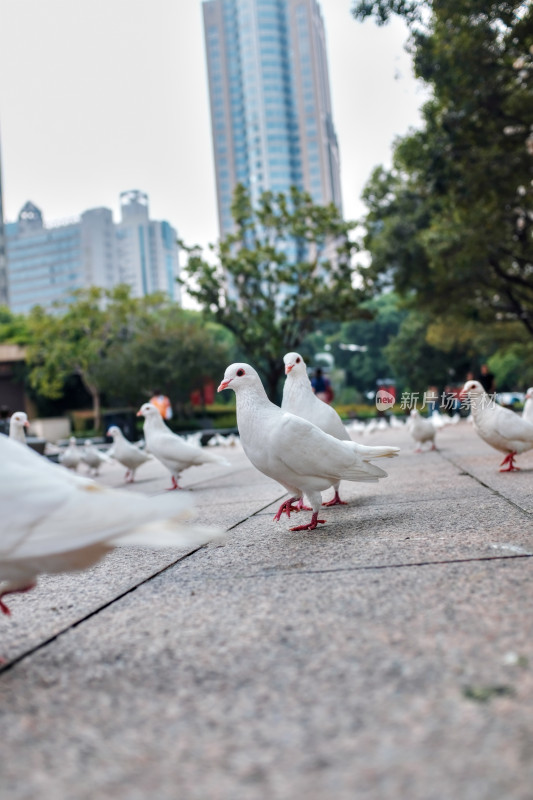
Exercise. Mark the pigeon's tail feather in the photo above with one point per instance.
(219, 459)
(170, 533)
(363, 472)
(375, 452)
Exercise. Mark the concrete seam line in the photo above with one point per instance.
(368, 567)
(6, 667)
(486, 486)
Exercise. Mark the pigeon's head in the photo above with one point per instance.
(87, 443)
(238, 376)
(73, 441)
(472, 388)
(19, 420)
(113, 431)
(294, 363)
(414, 412)
(529, 394)
(149, 411)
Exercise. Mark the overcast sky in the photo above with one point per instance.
(100, 96)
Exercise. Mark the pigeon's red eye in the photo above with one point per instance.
(298, 360)
(240, 373)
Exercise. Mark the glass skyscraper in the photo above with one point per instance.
(4, 298)
(270, 101)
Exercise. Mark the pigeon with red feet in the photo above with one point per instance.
(300, 399)
(500, 427)
(170, 449)
(293, 451)
(126, 453)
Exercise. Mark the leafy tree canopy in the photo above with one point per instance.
(286, 268)
(122, 347)
(450, 225)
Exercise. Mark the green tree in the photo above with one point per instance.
(450, 225)
(122, 347)
(13, 327)
(173, 350)
(76, 338)
(287, 267)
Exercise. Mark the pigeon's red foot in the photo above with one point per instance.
(286, 508)
(300, 506)
(509, 460)
(336, 501)
(129, 476)
(3, 608)
(311, 525)
(174, 485)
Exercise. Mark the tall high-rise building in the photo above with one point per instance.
(48, 263)
(270, 101)
(4, 294)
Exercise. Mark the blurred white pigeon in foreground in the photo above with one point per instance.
(53, 521)
(93, 457)
(170, 449)
(500, 427)
(299, 399)
(422, 430)
(127, 453)
(292, 450)
(71, 456)
(527, 411)
(17, 423)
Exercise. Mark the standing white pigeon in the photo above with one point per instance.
(71, 456)
(500, 427)
(300, 399)
(527, 411)
(17, 423)
(422, 430)
(170, 449)
(53, 521)
(292, 450)
(127, 453)
(93, 457)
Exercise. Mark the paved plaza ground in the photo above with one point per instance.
(387, 655)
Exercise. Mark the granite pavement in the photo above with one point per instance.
(387, 655)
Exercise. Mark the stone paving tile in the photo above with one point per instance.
(397, 684)
(291, 665)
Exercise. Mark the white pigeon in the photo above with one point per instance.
(300, 399)
(422, 430)
(293, 451)
(527, 411)
(18, 421)
(170, 449)
(500, 427)
(93, 457)
(53, 521)
(395, 422)
(71, 456)
(127, 453)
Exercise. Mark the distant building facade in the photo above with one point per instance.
(4, 298)
(271, 113)
(48, 263)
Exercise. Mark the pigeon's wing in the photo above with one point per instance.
(170, 447)
(306, 450)
(30, 489)
(45, 513)
(511, 426)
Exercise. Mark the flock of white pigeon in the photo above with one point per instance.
(70, 522)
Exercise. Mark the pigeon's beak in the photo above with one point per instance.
(224, 385)
(288, 368)
(139, 413)
(26, 424)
